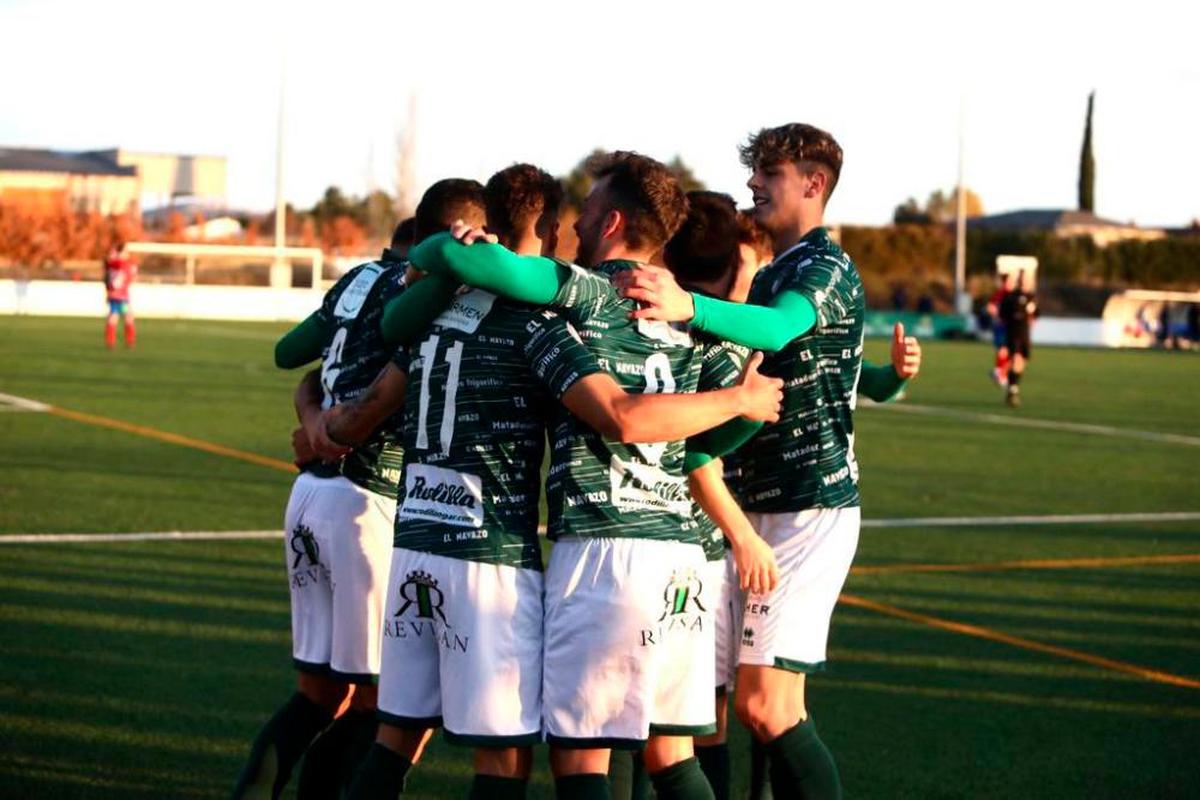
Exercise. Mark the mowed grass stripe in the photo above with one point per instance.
(26, 615)
(1021, 642)
(1034, 564)
(188, 744)
(958, 695)
(1042, 424)
(26, 584)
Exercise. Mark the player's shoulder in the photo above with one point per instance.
(585, 292)
(347, 296)
(718, 347)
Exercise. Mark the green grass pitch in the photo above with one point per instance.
(143, 669)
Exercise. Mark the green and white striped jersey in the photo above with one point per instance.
(354, 355)
(806, 459)
(482, 382)
(599, 487)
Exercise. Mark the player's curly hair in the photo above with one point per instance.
(444, 202)
(753, 235)
(706, 246)
(517, 196)
(808, 147)
(646, 192)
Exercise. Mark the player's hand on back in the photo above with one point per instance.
(655, 288)
(761, 396)
(468, 235)
(757, 570)
(906, 353)
(301, 449)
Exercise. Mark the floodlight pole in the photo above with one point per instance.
(961, 301)
(280, 269)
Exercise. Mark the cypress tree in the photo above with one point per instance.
(1087, 165)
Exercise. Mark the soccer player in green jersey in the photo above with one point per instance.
(462, 648)
(626, 661)
(716, 253)
(799, 476)
(338, 526)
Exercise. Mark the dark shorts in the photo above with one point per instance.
(1017, 341)
(118, 306)
(999, 338)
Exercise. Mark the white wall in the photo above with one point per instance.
(173, 301)
(1072, 331)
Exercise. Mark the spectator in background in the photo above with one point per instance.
(925, 303)
(899, 297)
(1163, 332)
(119, 274)
(1193, 323)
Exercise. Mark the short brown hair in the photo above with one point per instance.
(444, 202)
(705, 248)
(753, 235)
(646, 192)
(517, 196)
(805, 146)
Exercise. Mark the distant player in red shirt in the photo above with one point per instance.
(999, 340)
(119, 274)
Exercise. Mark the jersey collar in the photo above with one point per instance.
(815, 237)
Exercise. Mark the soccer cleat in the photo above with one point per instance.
(1012, 398)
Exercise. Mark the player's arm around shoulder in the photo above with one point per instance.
(351, 423)
(473, 257)
(762, 327)
(308, 399)
(632, 417)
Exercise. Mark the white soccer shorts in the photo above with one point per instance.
(788, 628)
(462, 649)
(727, 630)
(627, 651)
(338, 545)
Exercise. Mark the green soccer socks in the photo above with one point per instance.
(682, 781)
(801, 765)
(334, 757)
(280, 744)
(714, 761)
(381, 776)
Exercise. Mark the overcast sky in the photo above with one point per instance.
(498, 82)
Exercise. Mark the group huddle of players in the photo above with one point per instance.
(701, 492)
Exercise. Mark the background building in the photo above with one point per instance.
(111, 181)
(1066, 223)
(84, 182)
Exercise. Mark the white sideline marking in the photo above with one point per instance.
(898, 522)
(1045, 424)
(10, 402)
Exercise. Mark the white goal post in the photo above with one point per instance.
(281, 266)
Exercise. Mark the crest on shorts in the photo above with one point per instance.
(682, 589)
(420, 589)
(304, 545)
